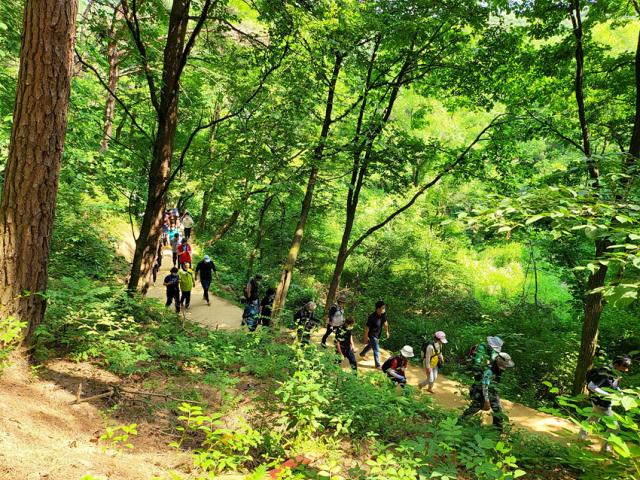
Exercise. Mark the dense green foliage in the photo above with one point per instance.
(467, 108)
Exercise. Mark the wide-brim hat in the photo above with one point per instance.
(504, 360)
(342, 298)
(407, 351)
(495, 343)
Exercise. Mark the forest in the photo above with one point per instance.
(469, 166)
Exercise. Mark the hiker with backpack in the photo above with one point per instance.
(372, 331)
(206, 268)
(187, 223)
(266, 304)
(186, 284)
(174, 240)
(252, 302)
(335, 320)
(305, 321)
(432, 359)
(600, 382)
(172, 283)
(484, 392)
(483, 354)
(395, 366)
(184, 252)
(344, 343)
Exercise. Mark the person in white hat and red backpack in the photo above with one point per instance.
(395, 366)
(432, 359)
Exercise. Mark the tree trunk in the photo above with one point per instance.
(224, 228)
(259, 234)
(202, 222)
(318, 153)
(33, 166)
(113, 59)
(593, 306)
(159, 171)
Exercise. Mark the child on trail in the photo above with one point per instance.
(187, 223)
(344, 343)
(599, 378)
(484, 392)
(305, 321)
(172, 282)
(206, 268)
(175, 242)
(372, 331)
(335, 320)
(184, 252)
(265, 307)
(432, 359)
(395, 366)
(186, 284)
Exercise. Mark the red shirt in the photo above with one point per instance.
(184, 253)
(398, 364)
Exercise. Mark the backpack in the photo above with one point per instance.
(437, 353)
(471, 355)
(593, 374)
(387, 364)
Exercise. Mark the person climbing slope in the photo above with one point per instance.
(598, 379)
(206, 268)
(395, 367)
(187, 223)
(372, 331)
(175, 243)
(484, 392)
(432, 359)
(265, 307)
(172, 283)
(186, 284)
(335, 320)
(344, 342)
(184, 252)
(305, 321)
(252, 302)
(483, 354)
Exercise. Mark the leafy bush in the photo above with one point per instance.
(10, 335)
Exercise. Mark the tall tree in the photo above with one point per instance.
(32, 171)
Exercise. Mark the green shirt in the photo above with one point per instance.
(186, 280)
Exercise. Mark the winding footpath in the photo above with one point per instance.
(449, 393)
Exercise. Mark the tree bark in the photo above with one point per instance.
(113, 58)
(159, 171)
(33, 166)
(259, 234)
(318, 153)
(204, 211)
(593, 304)
(224, 228)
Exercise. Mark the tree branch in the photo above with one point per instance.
(426, 186)
(134, 28)
(113, 94)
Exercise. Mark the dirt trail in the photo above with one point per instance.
(449, 393)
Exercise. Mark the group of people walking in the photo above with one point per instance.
(182, 278)
(486, 360)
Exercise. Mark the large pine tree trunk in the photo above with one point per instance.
(318, 154)
(33, 167)
(113, 59)
(159, 171)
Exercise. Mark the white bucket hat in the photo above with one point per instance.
(441, 336)
(311, 306)
(407, 351)
(495, 343)
(504, 360)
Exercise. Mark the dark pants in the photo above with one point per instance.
(173, 295)
(351, 356)
(265, 320)
(187, 233)
(186, 299)
(175, 258)
(304, 335)
(206, 283)
(327, 334)
(477, 402)
(154, 272)
(373, 344)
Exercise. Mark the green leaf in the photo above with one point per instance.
(534, 219)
